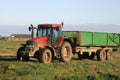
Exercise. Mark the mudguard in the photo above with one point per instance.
(60, 41)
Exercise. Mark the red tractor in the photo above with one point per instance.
(49, 44)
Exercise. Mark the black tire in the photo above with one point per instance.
(85, 55)
(45, 56)
(92, 56)
(79, 56)
(20, 54)
(66, 52)
(109, 55)
(26, 57)
(101, 55)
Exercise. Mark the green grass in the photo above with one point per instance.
(11, 69)
(74, 70)
(9, 47)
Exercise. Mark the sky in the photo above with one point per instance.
(17, 15)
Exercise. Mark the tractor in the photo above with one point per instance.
(49, 44)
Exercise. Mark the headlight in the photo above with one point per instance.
(31, 46)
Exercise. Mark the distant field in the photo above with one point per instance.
(11, 69)
(9, 47)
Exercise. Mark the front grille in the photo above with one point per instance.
(30, 43)
(30, 46)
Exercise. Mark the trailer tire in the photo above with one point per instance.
(66, 52)
(79, 56)
(92, 56)
(85, 55)
(109, 55)
(45, 56)
(101, 55)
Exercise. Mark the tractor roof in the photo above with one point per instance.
(50, 25)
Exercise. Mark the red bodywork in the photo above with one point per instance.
(59, 42)
(40, 41)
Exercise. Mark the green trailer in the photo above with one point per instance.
(93, 43)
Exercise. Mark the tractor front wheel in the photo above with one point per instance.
(20, 54)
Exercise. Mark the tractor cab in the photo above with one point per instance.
(51, 31)
(47, 34)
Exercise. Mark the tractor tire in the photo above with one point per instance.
(20, 54)
(45, 56)
(109, 55)
(66, 52)
(101, 55)
(25, 58)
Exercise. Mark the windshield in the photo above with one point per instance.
(43, 32)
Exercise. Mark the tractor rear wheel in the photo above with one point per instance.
(45, 56)
(101, 55)
(66, 52)
(109, 55)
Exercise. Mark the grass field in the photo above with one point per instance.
(11, 69)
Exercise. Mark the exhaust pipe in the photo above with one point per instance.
(31, 28)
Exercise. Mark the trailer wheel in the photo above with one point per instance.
(92, 56)
(101, 55)
(45, 56)
(66, 52)
(85, 55)
(109, 55)
(79, 56)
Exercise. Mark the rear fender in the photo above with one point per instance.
(60, 41)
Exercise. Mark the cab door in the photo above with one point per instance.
(54, 36)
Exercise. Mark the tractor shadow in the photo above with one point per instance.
(8, 58)
(14, 59)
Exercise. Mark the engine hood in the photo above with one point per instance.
(40, 41)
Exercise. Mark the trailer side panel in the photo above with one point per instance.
(84, 38)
